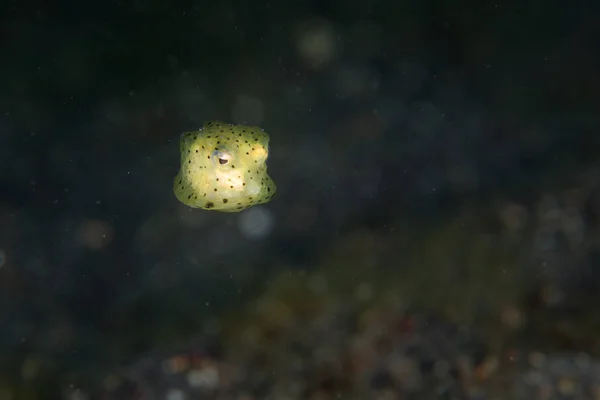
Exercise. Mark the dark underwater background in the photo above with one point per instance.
(435, 233)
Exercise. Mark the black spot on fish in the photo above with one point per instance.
(209, 205)
(225, 200)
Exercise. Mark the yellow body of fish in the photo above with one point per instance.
(223, 168)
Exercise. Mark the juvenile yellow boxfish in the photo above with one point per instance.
(224, 168)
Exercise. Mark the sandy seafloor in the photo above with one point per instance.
(458, 309)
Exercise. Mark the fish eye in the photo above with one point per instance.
(223, 156)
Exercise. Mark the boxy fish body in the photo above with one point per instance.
(223, 168)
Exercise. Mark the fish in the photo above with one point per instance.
(224, 168)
